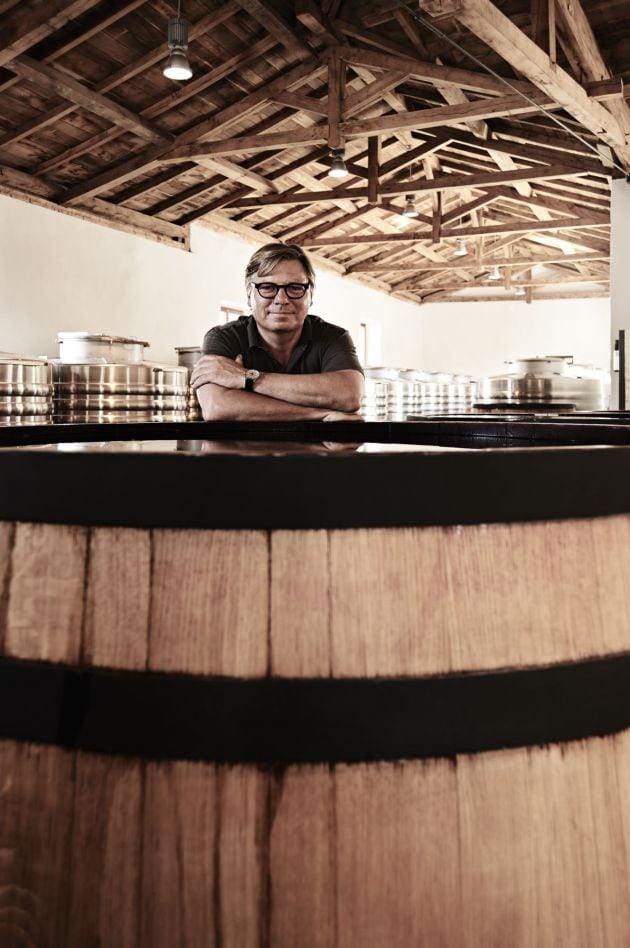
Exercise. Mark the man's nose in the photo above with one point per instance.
(281, 289)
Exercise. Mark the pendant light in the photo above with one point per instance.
(460, 250)
(519, 291)
(495, 274)
(410, 209)
(177, 65)
(337, 166)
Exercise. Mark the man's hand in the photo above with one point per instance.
(220, 386)
(229, 373)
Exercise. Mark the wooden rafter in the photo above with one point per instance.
(487, 22)
(245, 143)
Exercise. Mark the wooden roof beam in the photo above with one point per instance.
(35, 190)
(302, 103)
(487, 298)
(482, 280)
(357, 101)
(30, 22)
(443, 183)
(465, 264)
(517, 227)
(575, 23)
(550, 204)
(487, 22)
(116, 11)
(266, 14)
(533, 152)
(59, 83)
(316, 21)
(430, 72)
(148, 159)
(471, 206)
(139, 65)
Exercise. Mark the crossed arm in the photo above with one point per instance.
(326, 396)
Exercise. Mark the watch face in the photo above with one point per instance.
(252, 374)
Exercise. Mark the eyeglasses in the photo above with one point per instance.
(294, 291)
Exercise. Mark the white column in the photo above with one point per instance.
(620, 278)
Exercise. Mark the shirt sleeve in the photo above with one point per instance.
(221, 343)
(340, 353)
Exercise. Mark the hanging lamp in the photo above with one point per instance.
(177, 66)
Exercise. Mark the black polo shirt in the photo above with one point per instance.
(321, 347)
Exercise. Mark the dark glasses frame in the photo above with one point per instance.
(303, 288)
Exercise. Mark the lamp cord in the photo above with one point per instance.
(438, 32)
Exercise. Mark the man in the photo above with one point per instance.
(279, 364)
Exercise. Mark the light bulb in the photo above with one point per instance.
(177, 66)
(337, 166)
(410, 209)
(460, 250)
(495, 274)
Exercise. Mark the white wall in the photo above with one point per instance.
(62, 273)
(477, 338)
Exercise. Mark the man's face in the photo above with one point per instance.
(280, 314)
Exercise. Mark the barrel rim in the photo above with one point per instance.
(586, 477)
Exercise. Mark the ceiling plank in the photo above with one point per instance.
(116, 11)
(265, 13)
(58, 83)
(30, 22)
(487, 22)
(127, 72)
(149, 158)
(173, 101)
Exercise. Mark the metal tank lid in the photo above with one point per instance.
(14, 357)
(99, 337)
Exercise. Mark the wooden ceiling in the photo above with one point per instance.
(89, 124)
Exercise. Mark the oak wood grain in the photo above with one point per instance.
(105, 864)
(210, 602)
(300, 620)
(118, 597)
(180, 828)
(46, 591)
(418, 601)
(35, 831)
(304, 834)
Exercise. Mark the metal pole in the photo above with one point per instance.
(622, 370)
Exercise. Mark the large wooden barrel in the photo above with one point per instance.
(519, 845)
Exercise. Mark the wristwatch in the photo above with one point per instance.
(250, 377)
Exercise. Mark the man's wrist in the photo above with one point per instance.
(249, 378)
